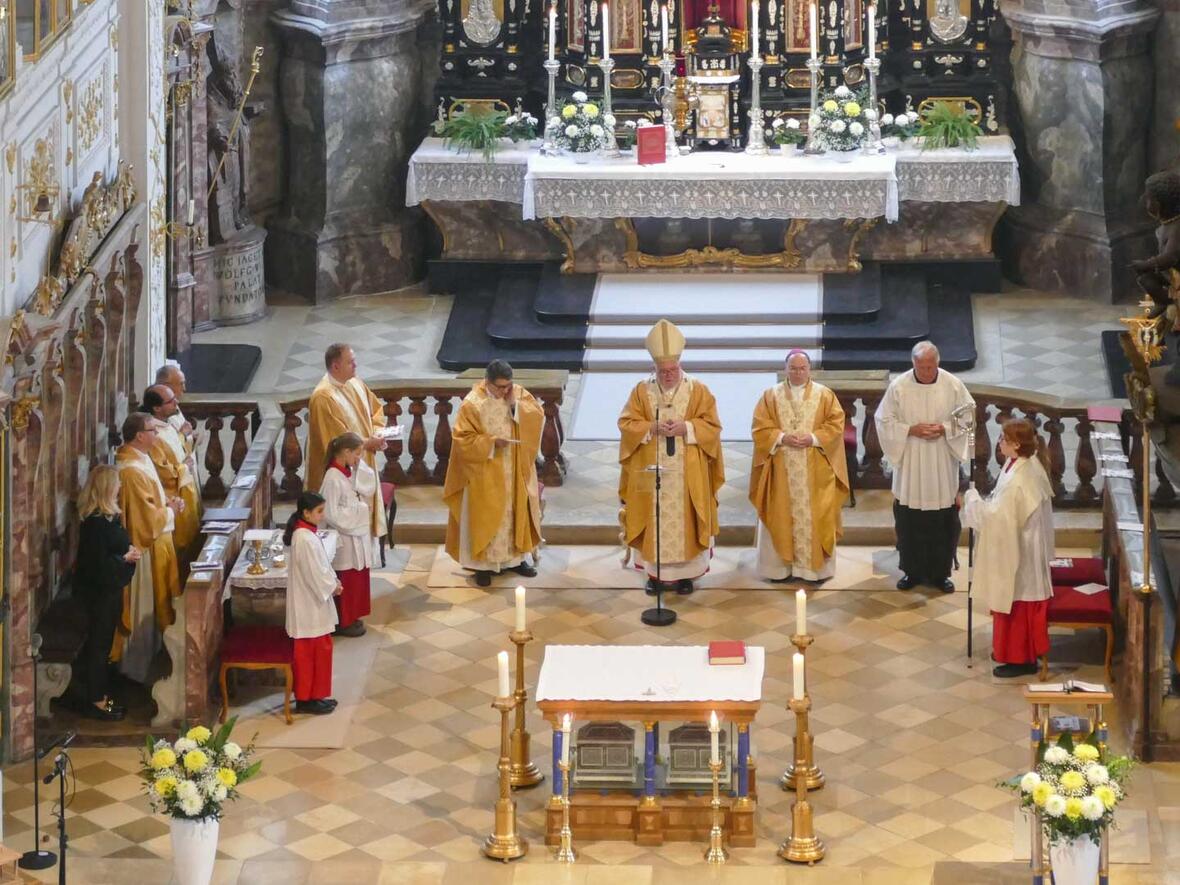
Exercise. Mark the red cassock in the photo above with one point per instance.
(1022, 635)
(313, 668)
(354, 601)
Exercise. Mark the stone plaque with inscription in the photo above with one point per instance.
(239, 283)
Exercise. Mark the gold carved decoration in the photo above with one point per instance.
(21, 409)
(67, 95)
(90, 113)
(48, 295)
(41, 189)
(558, 230)
(963, 103)
(10, 157)
(711, 256)
(863, 226)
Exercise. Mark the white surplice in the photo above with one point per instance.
(346, 509)
(310, 585)
(925, 471)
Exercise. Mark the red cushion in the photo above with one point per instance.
(850, 436)
(1083, 571)
(387, 490)
(1070, 606)
(257, 645)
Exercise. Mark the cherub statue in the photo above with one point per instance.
(1159, 277)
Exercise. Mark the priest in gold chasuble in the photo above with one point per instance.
(799, 479)
(673, 418)
(491, 491)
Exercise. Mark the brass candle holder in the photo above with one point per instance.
(803, 846)
(804, 755)
(524, 772)
(256, 567)
(565, 853)
(505, 843)
(716, 853)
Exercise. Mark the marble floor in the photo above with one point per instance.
(912, 742)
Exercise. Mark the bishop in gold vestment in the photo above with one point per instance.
(170, 456)
(799, 479)
(491, 492)
(343, 403)
(671, 419)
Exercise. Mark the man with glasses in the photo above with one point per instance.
(491, 492)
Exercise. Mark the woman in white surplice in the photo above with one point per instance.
(1011, 574)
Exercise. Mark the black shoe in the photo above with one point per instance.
(483, 579)
(330, 703)
(906, 583)
(1007, 671)
(109, 713)
(356, 628)
(313, 708)
(947, 586)
(684, 587)
(524, 570)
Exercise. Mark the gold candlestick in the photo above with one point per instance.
(716, 853)
(804, 755)
(504, 843)
(803, 846)
(524, 773)
(565, 854)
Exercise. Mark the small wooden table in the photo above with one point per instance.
(651, 684)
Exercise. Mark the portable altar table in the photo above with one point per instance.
(650, 685)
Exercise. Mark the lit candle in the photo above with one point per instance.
(754, 28)
(714, 738)
(814, 30)
(502, 665)
(552, 29)
(520, 609)
(664, 26)
(565, 739)
(800, 613)
(605, 31)
(797, 664)
(192, 211)
(872, 30)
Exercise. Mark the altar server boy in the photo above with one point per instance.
(311, 616)
(349, 485)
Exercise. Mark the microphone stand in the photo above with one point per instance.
(59, 771)
(658, 616)
(36, 858)
(964, 418)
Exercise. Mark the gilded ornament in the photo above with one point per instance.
(10, 157)
(67, 94)
(21, 409)
(48, 295)
(40, 187)
(90, 113)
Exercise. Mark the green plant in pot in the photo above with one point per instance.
(481, 130)
(946, 126)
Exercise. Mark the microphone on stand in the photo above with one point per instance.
(670, 446)
(36, 858)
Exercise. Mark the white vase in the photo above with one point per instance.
(582, 157)
(194, 849)
(844, 156)
(1074, 861)
(891, 141)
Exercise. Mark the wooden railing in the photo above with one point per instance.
(440, 396)
(209, 416)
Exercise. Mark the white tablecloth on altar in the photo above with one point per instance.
(647, 673)
(713, 185)
(274, 578)
(439, 173)
(987, 175)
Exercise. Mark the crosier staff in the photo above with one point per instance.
(255, 67)
(963, 419)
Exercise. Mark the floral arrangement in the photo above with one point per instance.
(580, 126)
(788, 131)
(195, 775)
(1076, 788)
(842, 119)
(481, 130)
(904, 126)
(627, 133)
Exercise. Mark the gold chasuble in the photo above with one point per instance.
(147, 601)
(339, 407)
(494, 509)
(178, 483)
(798, 492)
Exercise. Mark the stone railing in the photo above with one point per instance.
(210, 417)
(415, 397)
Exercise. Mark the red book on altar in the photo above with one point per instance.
(650, 145)
(727, 651)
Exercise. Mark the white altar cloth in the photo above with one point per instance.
(712, 185)
(987, 175)
(439, 173)
(647, 673)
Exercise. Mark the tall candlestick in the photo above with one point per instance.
(664, 27)
(814, 21)
(872, 31)
(552, 29)
(606, 32)
(502, 665)
(797, 667)
(714, 738)
(800, 612)
(565, 739)
(754, 28)
(520, 610)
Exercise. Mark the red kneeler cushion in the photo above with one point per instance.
(257, 645)
(1068, 606)
(1083, 571)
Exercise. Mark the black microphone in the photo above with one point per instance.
(62, 740)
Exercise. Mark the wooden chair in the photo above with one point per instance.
(258, 648)
(1079, 611)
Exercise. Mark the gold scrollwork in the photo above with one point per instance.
(90, 113)
(67, 95)
(711, 256)
(48, 295)
(558, 230)
(863, 226)
(41, 190)
(21, 410)
(10, 157)
(964, 103)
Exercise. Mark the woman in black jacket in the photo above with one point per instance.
(106, 562)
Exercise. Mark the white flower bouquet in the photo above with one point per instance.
(580, 126)
(1075, 787)
(902, 127)
(787, 131)
(841, 120)
(627, 133)
(194, 776)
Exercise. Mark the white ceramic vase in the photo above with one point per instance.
(194, 849)
(582, 157)
(1074, 862)
(845, 156)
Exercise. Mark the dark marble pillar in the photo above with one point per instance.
(351, 82)
(1082, 83)
(1165, 135)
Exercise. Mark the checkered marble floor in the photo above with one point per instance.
(911, 740)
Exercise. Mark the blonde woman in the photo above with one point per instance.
(106, 561)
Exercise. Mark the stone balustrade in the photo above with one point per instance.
(211, 416)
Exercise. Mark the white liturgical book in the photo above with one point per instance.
(1090, 589)
(1070, 685)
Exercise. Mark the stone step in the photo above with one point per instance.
(712, 336)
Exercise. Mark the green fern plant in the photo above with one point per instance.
(946, 126)
(474, 131)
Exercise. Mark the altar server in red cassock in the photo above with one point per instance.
(1015, 538)
(311, 616)
(348, 487)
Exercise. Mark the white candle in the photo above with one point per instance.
(565, 739)
(605, 32)
(754, 28)
(714, 738)
(192, 212)
(664, 26)
(797, 664)
(814, 30)
(520, 609)
(872, 31)
(552, 29)
(502, 665)
(800, 613)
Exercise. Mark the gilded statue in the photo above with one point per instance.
(1159, 277)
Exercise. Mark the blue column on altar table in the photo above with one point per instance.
(743, 760)
(649, 761)
(557, 736)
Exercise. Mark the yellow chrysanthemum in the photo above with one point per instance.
(1041, 793)
(165, 786)
(591, 109)
(1072, 780)
(852, 109)
(1073, 808)
(227, 776)
(163, 758)
(199, 733)
(1107, 795)
(568, 111)
(1086, 752)
(195, 760)
(830, 105)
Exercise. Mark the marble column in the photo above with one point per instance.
(1165, 136)
(354, 84)
(1082, 84)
